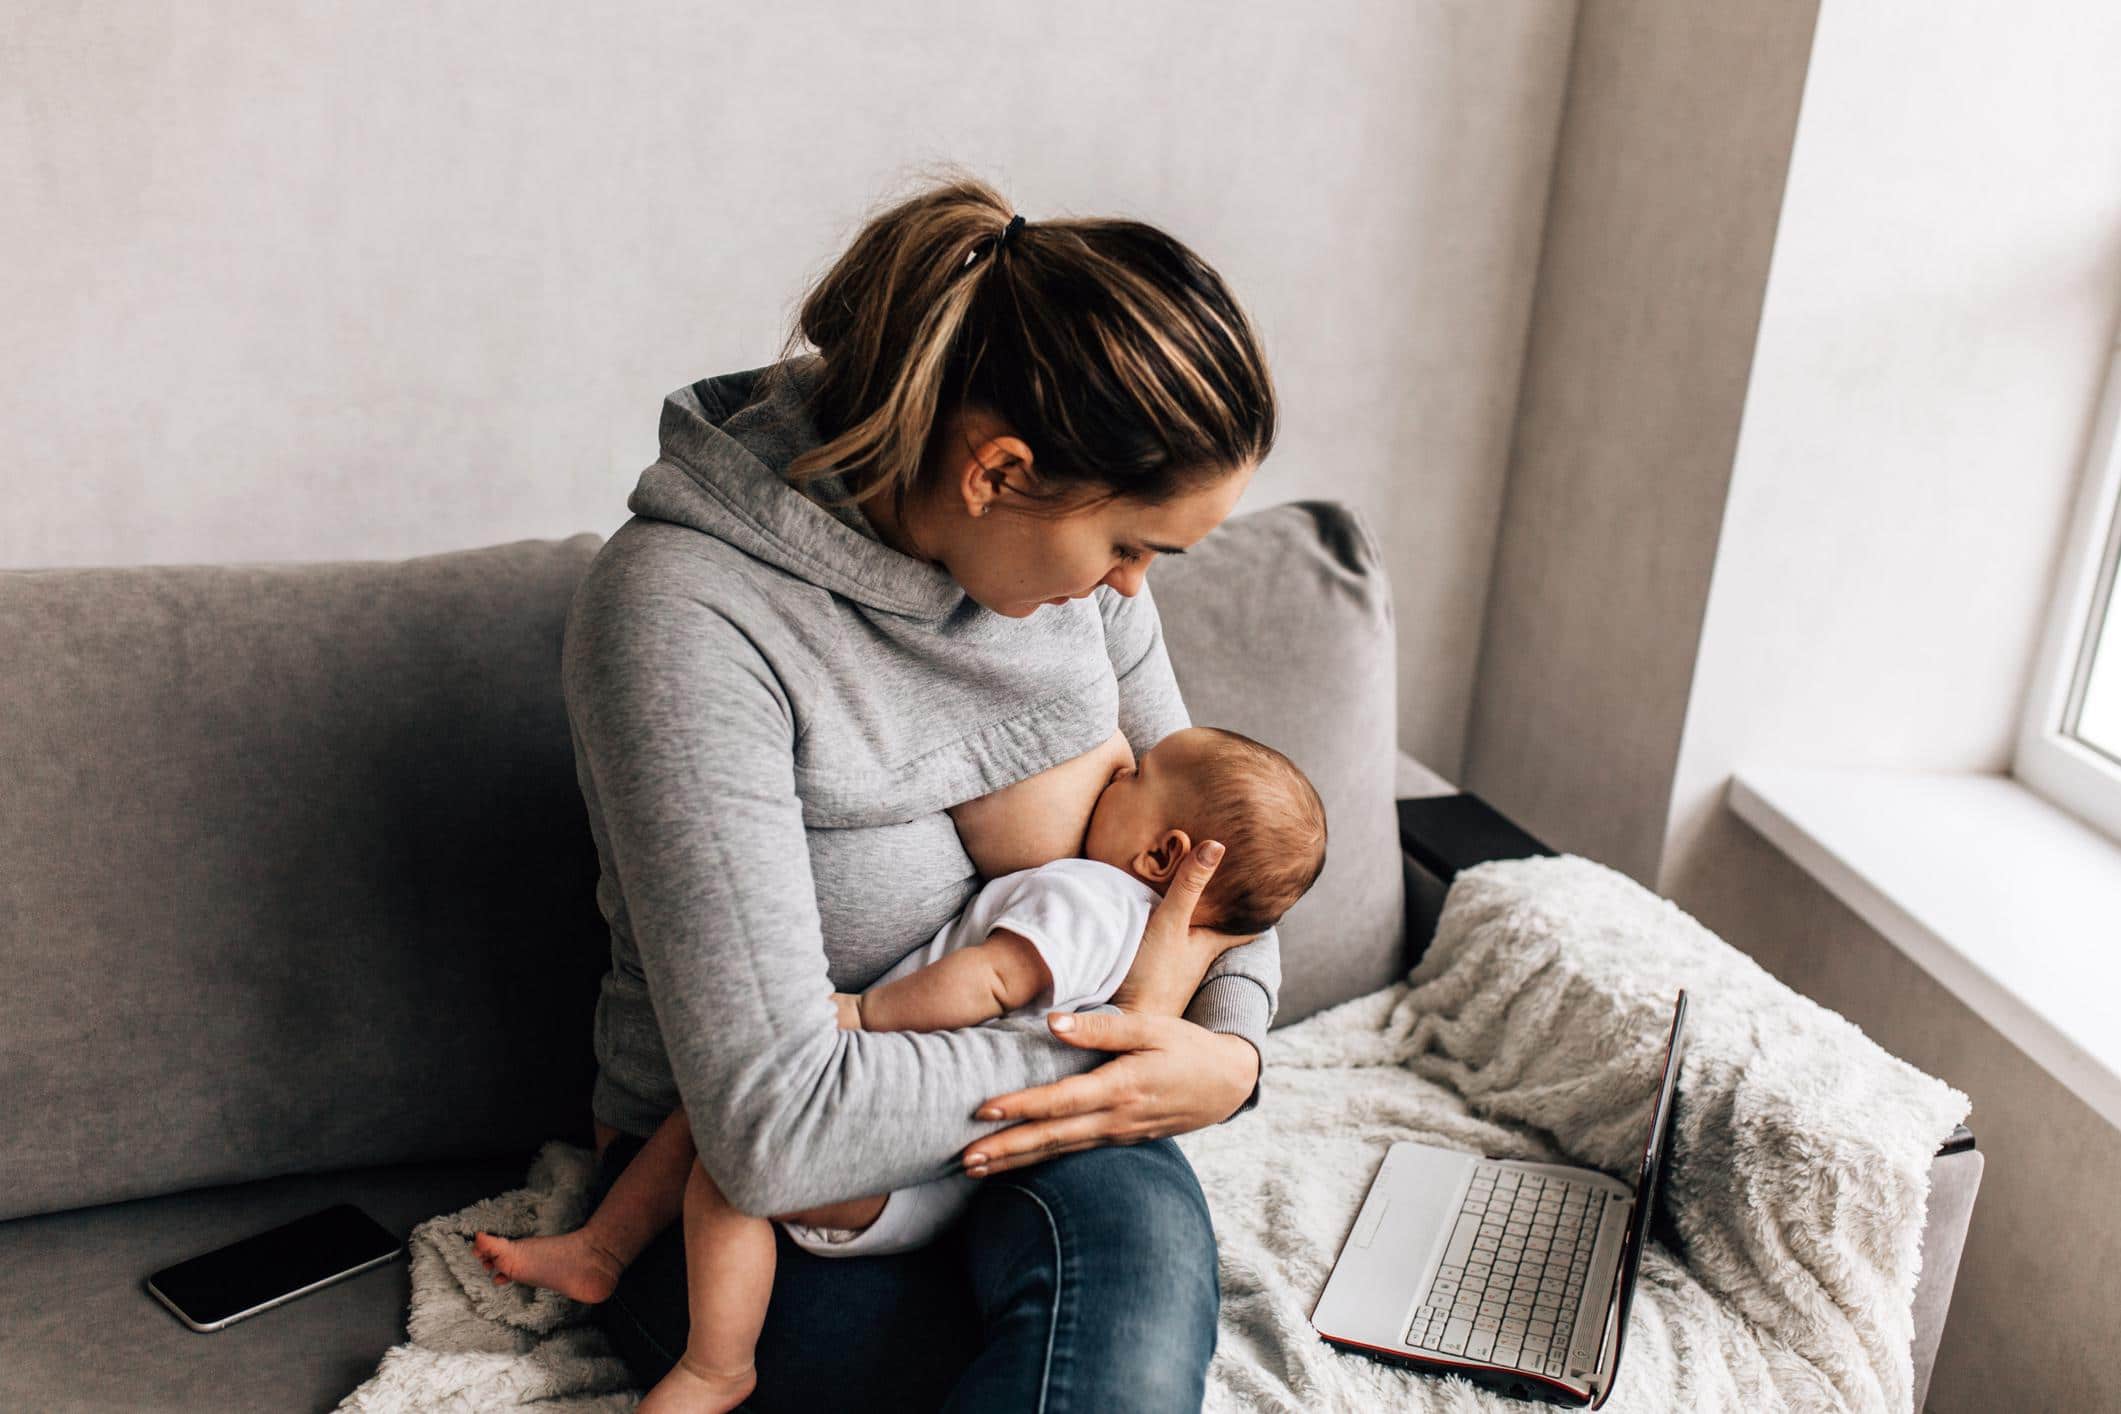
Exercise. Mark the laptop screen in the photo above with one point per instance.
(1649, 1181)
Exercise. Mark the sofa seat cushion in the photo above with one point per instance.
(78, 1330)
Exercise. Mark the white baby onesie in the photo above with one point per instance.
(1086, 920)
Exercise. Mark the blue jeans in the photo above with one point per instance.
(1085, 1283)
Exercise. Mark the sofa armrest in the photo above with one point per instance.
(1440, 835)
(1955, 1179)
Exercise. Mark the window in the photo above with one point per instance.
(2069, 742)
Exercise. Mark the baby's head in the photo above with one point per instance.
(1204, 783)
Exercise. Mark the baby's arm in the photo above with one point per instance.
(987, 980)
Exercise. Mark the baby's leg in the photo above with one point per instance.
(585, 1264)
(852, 1215)
(728, 1281)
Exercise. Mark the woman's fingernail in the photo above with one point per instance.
(975, 1161)
(1064, 1022)
(990, 1112)
(980, 1172)
(1211, 852)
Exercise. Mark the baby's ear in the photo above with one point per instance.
(1161, 860)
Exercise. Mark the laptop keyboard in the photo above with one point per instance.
(1511, 1279)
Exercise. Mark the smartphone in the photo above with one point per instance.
(231, 1283)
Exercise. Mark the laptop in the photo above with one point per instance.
(1514, 1275)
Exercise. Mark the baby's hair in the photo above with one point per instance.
(1273, 831)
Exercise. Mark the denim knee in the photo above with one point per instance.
(1135, 1295)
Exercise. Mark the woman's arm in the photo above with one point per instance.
(687, 740)
(1167, 1075)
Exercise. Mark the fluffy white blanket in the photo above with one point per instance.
(1533, 1028)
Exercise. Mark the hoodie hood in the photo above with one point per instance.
(725, 442)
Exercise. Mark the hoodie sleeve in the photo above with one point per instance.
(1239, 994)
(686, 740)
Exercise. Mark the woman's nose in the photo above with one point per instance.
(1127, 579)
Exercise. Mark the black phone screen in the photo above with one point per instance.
(231, 1281)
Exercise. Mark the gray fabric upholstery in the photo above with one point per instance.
(300, 878)
(297, 876)
(79, 1333)
(1955, 1180)
(1412, 780)
(1279, 626)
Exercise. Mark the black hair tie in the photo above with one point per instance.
(992, 245)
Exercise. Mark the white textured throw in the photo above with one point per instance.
(1533, 1028)
(475, 1346)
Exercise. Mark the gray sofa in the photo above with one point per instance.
(299, 908)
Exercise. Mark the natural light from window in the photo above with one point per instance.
(2099, 720)
(2069, 735)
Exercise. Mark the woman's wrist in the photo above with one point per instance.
(1239, 1070)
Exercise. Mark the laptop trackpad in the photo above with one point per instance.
(1367, 1231)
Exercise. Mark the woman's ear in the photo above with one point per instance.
(996, 468)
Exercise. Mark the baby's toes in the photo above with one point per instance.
(492, 1250)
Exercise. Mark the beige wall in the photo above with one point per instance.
(1674, 145)
(350, 284)
(1808, 508)
(1923, 389)
(2038, 1297)
(1944, 292)
(359, 281)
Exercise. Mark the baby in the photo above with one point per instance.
(1061, 935)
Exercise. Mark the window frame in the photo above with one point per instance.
(2074, 776)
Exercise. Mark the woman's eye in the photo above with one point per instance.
(1127, 556)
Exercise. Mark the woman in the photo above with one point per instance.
(862, 587)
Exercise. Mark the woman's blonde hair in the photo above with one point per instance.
(1110, 348)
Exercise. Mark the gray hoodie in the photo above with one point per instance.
(771, 710)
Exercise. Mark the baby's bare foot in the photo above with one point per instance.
(692, 1388)
(572, 1263)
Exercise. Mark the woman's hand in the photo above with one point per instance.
(1174, 1077)
(1171, 1077)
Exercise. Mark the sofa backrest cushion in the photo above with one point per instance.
(1279, 626)
(296, 874)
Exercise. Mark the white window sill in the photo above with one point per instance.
(2009, 902)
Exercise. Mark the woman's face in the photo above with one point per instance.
(1015, 563)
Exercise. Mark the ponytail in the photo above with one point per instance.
(1109, 347)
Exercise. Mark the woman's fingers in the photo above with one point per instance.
(1026, 1144)
(1019, 1161)
(1104, 1030)
(1093, 1089)
(1176, 910)
(1078, 1094)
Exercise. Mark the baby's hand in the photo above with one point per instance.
(850, 1011)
